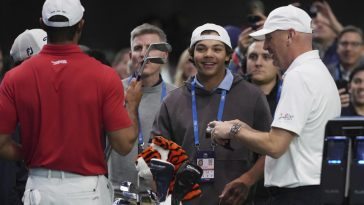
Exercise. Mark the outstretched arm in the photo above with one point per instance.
(273, 143)
(325, 9)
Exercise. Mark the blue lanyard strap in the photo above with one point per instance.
(279, 91)
(194, 111)
(164, 91)
(222, 105)
(140, 135)
(140, 131)
(194, 115)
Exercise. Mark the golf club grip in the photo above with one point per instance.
(138, 77)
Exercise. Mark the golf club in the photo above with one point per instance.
(157, 60)
(163, 46)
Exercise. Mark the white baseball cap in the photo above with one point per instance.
(71, 9)
(28, 43)
(284, 18)
(223, 35)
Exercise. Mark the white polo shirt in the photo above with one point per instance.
(308, 100)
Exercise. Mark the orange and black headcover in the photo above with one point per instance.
(176, 155)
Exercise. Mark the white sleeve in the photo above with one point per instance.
(294, 104)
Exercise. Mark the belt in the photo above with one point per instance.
(49, 173)
(278, 190)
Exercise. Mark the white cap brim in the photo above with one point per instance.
(260, 35)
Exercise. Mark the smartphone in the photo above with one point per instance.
(312, 11)
(342, 84)
(253, 20)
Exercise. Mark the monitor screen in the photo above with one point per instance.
(336, 150)
(360, 149)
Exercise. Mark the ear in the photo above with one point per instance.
(41, 23)
(190, 59)
(80, 25)
(290, 36)
(228, 58)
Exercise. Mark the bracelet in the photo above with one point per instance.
(234, 130)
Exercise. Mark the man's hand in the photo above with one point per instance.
(344, 97)
(123, 140)
(133, 95)
(244, 38)
(234, 193)
(220, 133)
(325, 9)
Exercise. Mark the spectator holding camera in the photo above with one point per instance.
(349, 49)
(356, 90)
(327, 28)
(255, 20)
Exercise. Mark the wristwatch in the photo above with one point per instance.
(234, 129)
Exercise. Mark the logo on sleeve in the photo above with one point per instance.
(285, 116)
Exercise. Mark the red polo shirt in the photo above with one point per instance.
(63, 99)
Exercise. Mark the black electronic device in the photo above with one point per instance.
(342, 84)
(356, 191)
(253, 20)
(342, 174)
(334, 166)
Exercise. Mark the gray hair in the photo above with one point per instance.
(147, 28)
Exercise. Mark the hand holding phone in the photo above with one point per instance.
(253, 20)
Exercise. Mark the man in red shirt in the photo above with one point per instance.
(63, 100)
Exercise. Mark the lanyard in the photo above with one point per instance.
(140, 135)
(278, 95)
(279, 90)
(338, 73)
(194, 111)
(140, 132)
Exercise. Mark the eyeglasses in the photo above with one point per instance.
(352, 44)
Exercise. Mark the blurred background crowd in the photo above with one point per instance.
(109, 30)
(337, 35)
